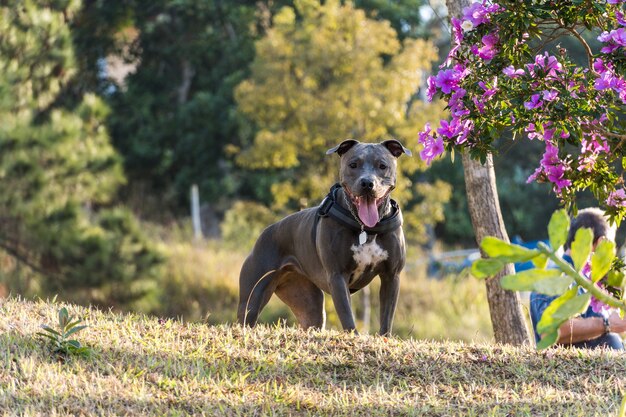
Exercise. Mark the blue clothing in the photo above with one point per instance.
(538, 304)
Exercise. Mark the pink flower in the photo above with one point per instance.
(603, 82)
(476, 13)
(614, 39)
(433, 146)
(488, 50)
(432, 88)
(464, 132)
(449, 129)
(586, 163)
(480, 105)
(599, 66)
(457, 31)
(489, 92)
(553, 169)
(594, 144)
(457, 107)
(532, 131)
(455, 101)
(548, 134)
(598, 306)
(547, 63)
(511, 72)
(447, 80)
(535, 102)
(617, 198)
(550, 95)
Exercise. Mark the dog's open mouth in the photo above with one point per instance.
(367, 207)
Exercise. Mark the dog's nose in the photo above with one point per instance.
(367, 184)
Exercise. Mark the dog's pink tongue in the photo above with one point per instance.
(368, 211)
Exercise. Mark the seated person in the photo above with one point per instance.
(591, 329)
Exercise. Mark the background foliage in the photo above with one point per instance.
(322, 74)
(58, 170)
(109, 111)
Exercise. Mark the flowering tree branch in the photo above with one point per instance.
(495, 80)
(585, 45)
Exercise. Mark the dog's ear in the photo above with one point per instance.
(343, 147)
(396, 148)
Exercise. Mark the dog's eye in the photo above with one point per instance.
(352, 165)
(382, 166)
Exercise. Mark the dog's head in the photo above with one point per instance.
(368, 174)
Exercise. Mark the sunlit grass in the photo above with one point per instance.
(146, 366)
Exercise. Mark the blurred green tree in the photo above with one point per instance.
(325, 73)
(58, 169)
(174, 113)
(174, 116)
(403, 15)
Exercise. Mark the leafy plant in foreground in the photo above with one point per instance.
(61, 342)
(603, 285)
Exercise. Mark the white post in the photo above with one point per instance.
(195, 212)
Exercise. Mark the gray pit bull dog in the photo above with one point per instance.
(337, 247)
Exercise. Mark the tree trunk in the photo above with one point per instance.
(507, 316)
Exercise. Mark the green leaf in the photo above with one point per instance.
(616, 279)
(548, 339)
(558, 228)
(602, 259)
(46, 335)
(506, 252)
(51, 330)
(540, 261)
(83, 351)
(548, 323)
(63, 317)
(543, 281)
(74, 330)
(553, 286)
(572, 307)
(70, 325)
(581, 247)
(484, 268)
(73, 343)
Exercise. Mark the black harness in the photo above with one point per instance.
(331, 208)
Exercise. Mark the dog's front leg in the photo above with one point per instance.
(341, 299)
(389, 290)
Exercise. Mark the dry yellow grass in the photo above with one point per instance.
(145, 366)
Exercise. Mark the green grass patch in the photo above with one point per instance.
(143, 365)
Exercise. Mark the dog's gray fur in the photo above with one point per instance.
(287, 261)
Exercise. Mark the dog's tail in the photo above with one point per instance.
(249, 312)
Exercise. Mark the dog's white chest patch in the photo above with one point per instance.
(368, 254)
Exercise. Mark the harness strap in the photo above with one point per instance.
(330, 208)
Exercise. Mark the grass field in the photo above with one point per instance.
(141, 365)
